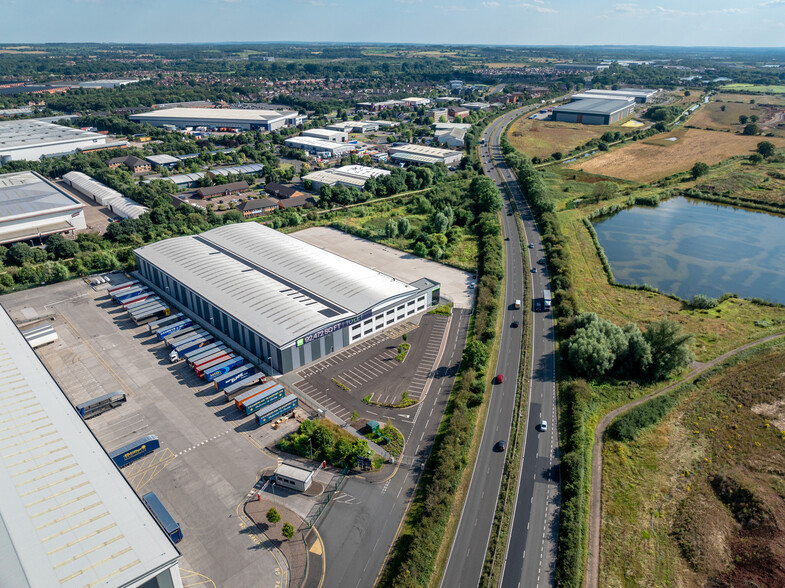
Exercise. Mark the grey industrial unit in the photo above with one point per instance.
(69, 517)
(235, 118)
(285, 302)
(594, 111)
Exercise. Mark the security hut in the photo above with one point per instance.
(293, 477)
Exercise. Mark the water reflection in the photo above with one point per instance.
(689, 247)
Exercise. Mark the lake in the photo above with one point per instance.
(687, 247)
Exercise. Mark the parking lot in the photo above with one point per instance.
(210, 456)
(455, 284)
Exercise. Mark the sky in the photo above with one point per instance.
(741, 23)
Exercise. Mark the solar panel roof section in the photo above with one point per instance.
(293, 288)
(69, 518)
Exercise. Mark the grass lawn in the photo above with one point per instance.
(541, 138)
(650, 160)
(759, 98)
(664, 523)
(756, 88)
(712, 116)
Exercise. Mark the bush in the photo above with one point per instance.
(627, 426)
(702, 301)
(287, 530)
(273, 516)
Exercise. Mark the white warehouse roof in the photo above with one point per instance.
(26, 194)
(68, 517)
(275, 284)
(104, 195)
(30, 139)
(348, 175)
(220, 115)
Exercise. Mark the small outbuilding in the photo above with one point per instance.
(293, 477)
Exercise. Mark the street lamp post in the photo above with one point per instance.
(311, 446)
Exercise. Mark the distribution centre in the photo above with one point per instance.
(285, 302)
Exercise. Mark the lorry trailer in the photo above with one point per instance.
(129, 293)
(167, 330)
(192, 356)
(201, 369)
(137, 299)
(101, 404)
(40, 336)
(234, 376)
(143, 306)
(122, 286)
(134, 450)
(546, 299)
(207, 359)
(244, 385)
(214, 372)
(276, 409)
(178, 341)
(262, 400)
(183, 335)
(178, 352)
(152, 315)
(248, 396)
(163, 517)
(178, 316)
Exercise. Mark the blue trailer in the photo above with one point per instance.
(223, 368)
(129, 293)
(169, 329)
(180, 350)
(133, 451)
(163, 517)
(259, 402)
(155, 325)
(234, 376)
(177, 339)
(279, 408)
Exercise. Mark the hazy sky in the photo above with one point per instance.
(752, 23)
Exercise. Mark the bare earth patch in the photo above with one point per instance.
(644, 163)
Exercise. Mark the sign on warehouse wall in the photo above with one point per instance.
(333, 328)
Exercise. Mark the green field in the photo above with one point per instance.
(758, 89)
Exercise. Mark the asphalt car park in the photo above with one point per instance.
(209, 458)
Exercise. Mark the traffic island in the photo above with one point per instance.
(294, 550)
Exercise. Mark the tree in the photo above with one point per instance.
(699, 169)
(756, 158)
(404, 226)
(391, 228)
(604, 190)
(754, 118)
(751, 129)
(485, 195)
(421, 249)
(743, 118)
(18, 254)
(722, 108)
(273, 516)
(593, 349)
(557, 155)
(669, 348)
(766, 148)
(61, 248)
(476, 355)
(287, 530)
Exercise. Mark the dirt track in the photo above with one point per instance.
(592, 577)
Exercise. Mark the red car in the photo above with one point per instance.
(499, 378)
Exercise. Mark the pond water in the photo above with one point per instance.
(687, 247)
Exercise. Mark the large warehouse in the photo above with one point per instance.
(218, 118)
(32, 139)
(32, 207)
(69, 517)
(104, 195)
(424, 155)
(594, 111)
(641, 95)
(286, 302)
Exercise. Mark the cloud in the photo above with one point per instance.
(538, 7)
(490, 4)
(773, 3)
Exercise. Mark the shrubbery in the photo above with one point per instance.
(627, 426)
(329, 443)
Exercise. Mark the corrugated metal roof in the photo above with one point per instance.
(275, 284)
(90, 187)
(67, 516)
(17, 134)
(26, 193)
(594, 106)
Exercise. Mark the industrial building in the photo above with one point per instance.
(32, 207)
(351, 176)
(415, 102)
(640, 95)
(354, 126)
(32, 139)
(327, 135)
(452, 135)
(285, 302)
(69, 517)
(135, 164)
(191, 180)
(163, 160)
(319, 147)
(476, 105)
(594, 111)
(220, 118)
(104, 195)
(423, 155)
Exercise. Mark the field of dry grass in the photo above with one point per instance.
(721, 115)
(541, 138)
(698, 499)
(642, 162)
(758, 98)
